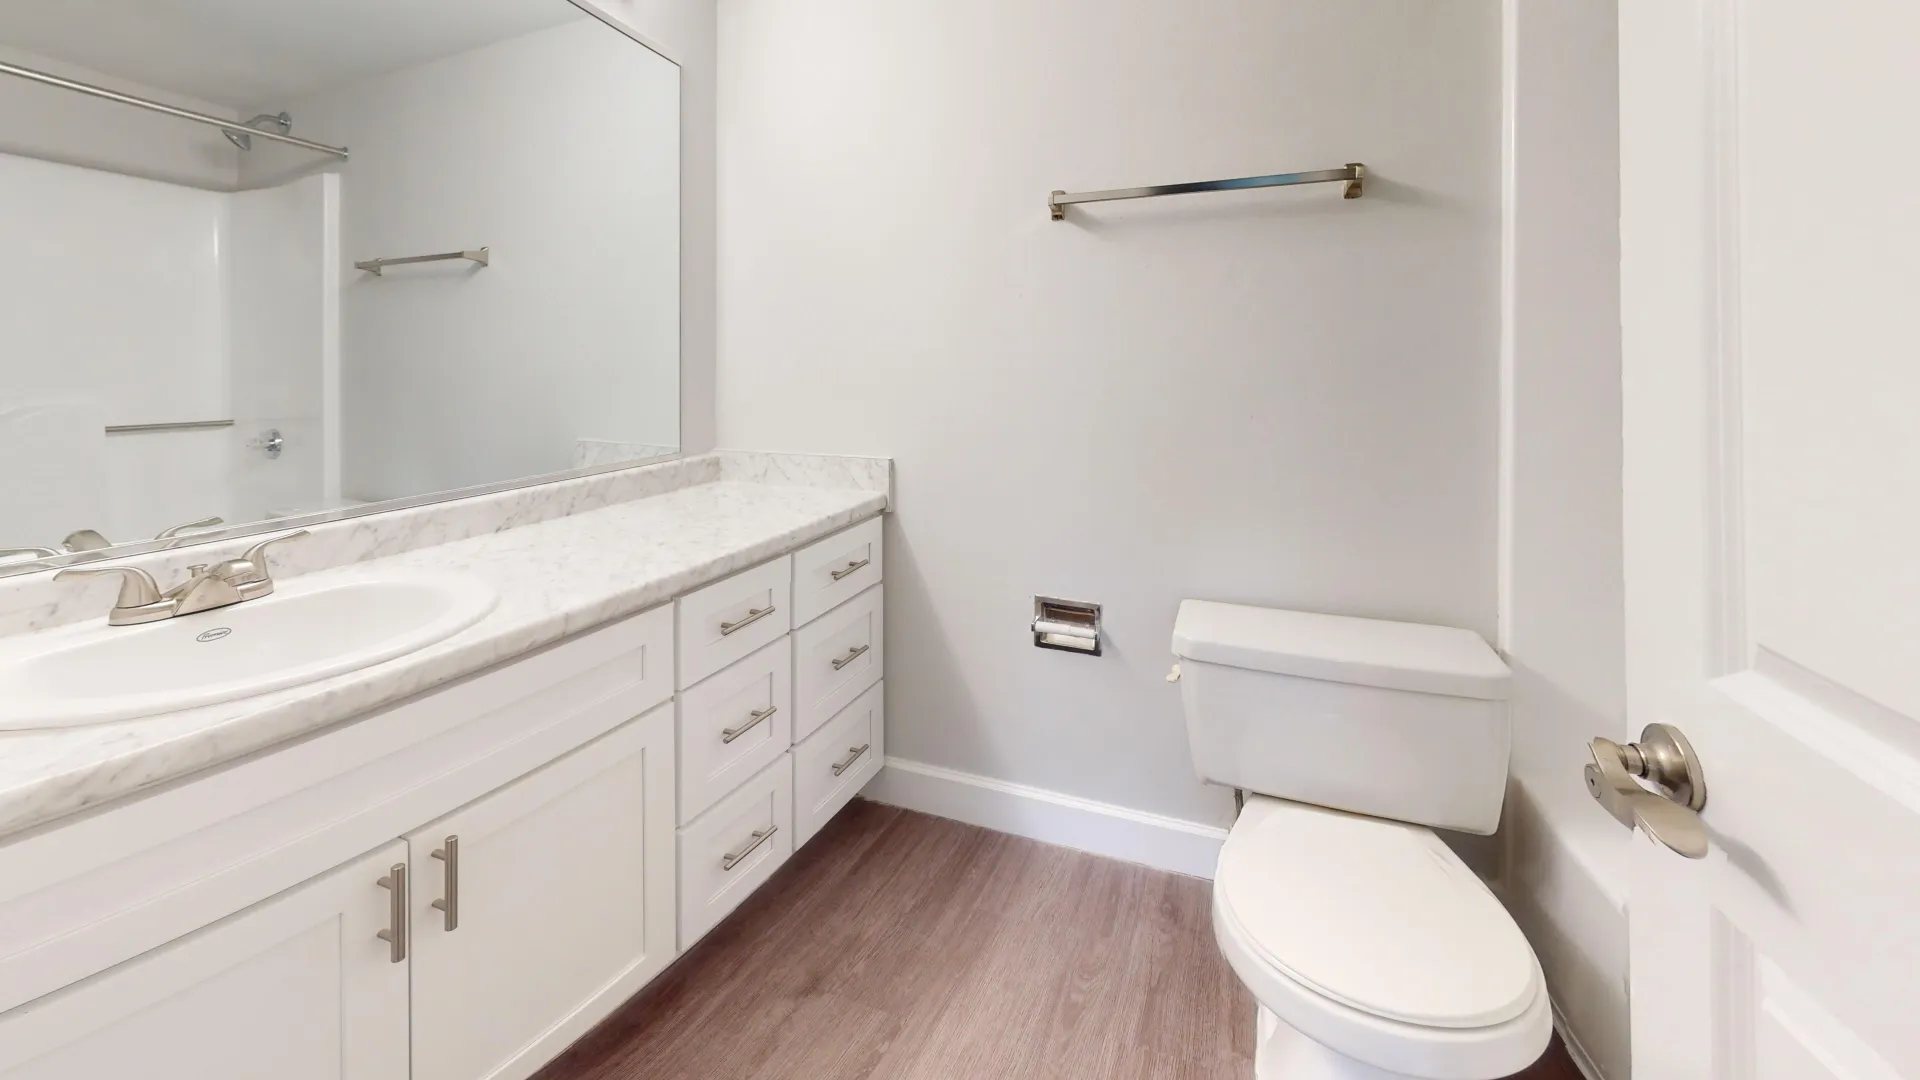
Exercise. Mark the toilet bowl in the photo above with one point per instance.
(1373, 951)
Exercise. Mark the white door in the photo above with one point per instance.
(1771, 313)
(548, 903)
(298, 987)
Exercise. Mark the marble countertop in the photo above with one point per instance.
(555, 578)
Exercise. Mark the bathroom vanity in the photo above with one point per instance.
(452, 864)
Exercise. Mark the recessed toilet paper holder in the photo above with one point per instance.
(1067, 625)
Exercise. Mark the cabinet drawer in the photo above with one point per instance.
(831, 767)
(734, 724)
(733, 849)
(729, 619)
(828, 573)
(835, 658)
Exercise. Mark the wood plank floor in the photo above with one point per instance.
(906, 947)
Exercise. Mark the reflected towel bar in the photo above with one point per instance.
(183, 425)
(1354, 175)
(376, 266)
(235, 127)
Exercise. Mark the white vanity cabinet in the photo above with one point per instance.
(457, 886)
(760, 766)
(542, 906)
(299, 987)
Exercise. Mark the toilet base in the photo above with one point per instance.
(1282, 1053)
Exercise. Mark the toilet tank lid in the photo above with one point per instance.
(1337, 648)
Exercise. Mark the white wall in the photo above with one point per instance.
(453, 375)
(686, 31)
(113, 290)
(1564, 633)
(163, 302)
(1274, 397)
(283, 261)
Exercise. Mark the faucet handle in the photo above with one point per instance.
(137, 587)
(257, 554)
(249, 573)
(85, 540)
(175, 531)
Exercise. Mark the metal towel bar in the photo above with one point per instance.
(1354, 175)
(377, 266)
(183, 425)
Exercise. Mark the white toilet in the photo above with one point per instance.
(1374, 952)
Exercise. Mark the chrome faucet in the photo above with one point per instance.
(207, 587)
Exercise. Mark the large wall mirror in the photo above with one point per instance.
(266, 262)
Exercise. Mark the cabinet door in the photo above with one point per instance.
(541, 907)
(297, 987)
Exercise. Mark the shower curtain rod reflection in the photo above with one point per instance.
(102, 92)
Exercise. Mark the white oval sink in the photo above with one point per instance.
(94, 673)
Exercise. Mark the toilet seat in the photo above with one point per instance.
(1374, 940)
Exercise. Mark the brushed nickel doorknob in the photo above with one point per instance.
(1670, 814)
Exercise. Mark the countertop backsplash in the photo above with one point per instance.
(32, 602)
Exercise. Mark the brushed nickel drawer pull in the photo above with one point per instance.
(449, 852)
(395, 935)
(754, 615)
(851, 568)
(733, 858)
(853, 755)
(853, 654)
(754, 719)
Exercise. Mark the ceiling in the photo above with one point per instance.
(248, 54)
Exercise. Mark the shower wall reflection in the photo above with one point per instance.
(183, 332)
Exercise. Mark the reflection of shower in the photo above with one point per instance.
(244, 141)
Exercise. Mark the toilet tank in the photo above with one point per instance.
(1394, 720)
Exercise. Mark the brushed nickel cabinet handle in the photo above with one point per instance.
(853, 755)
(853, 654)
(754, 615)
(449, 852)
(754, 719)
(395, 935)
(733, 858)
(851, 568)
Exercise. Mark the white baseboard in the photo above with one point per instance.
(1575, 1051)
(1164, 843)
